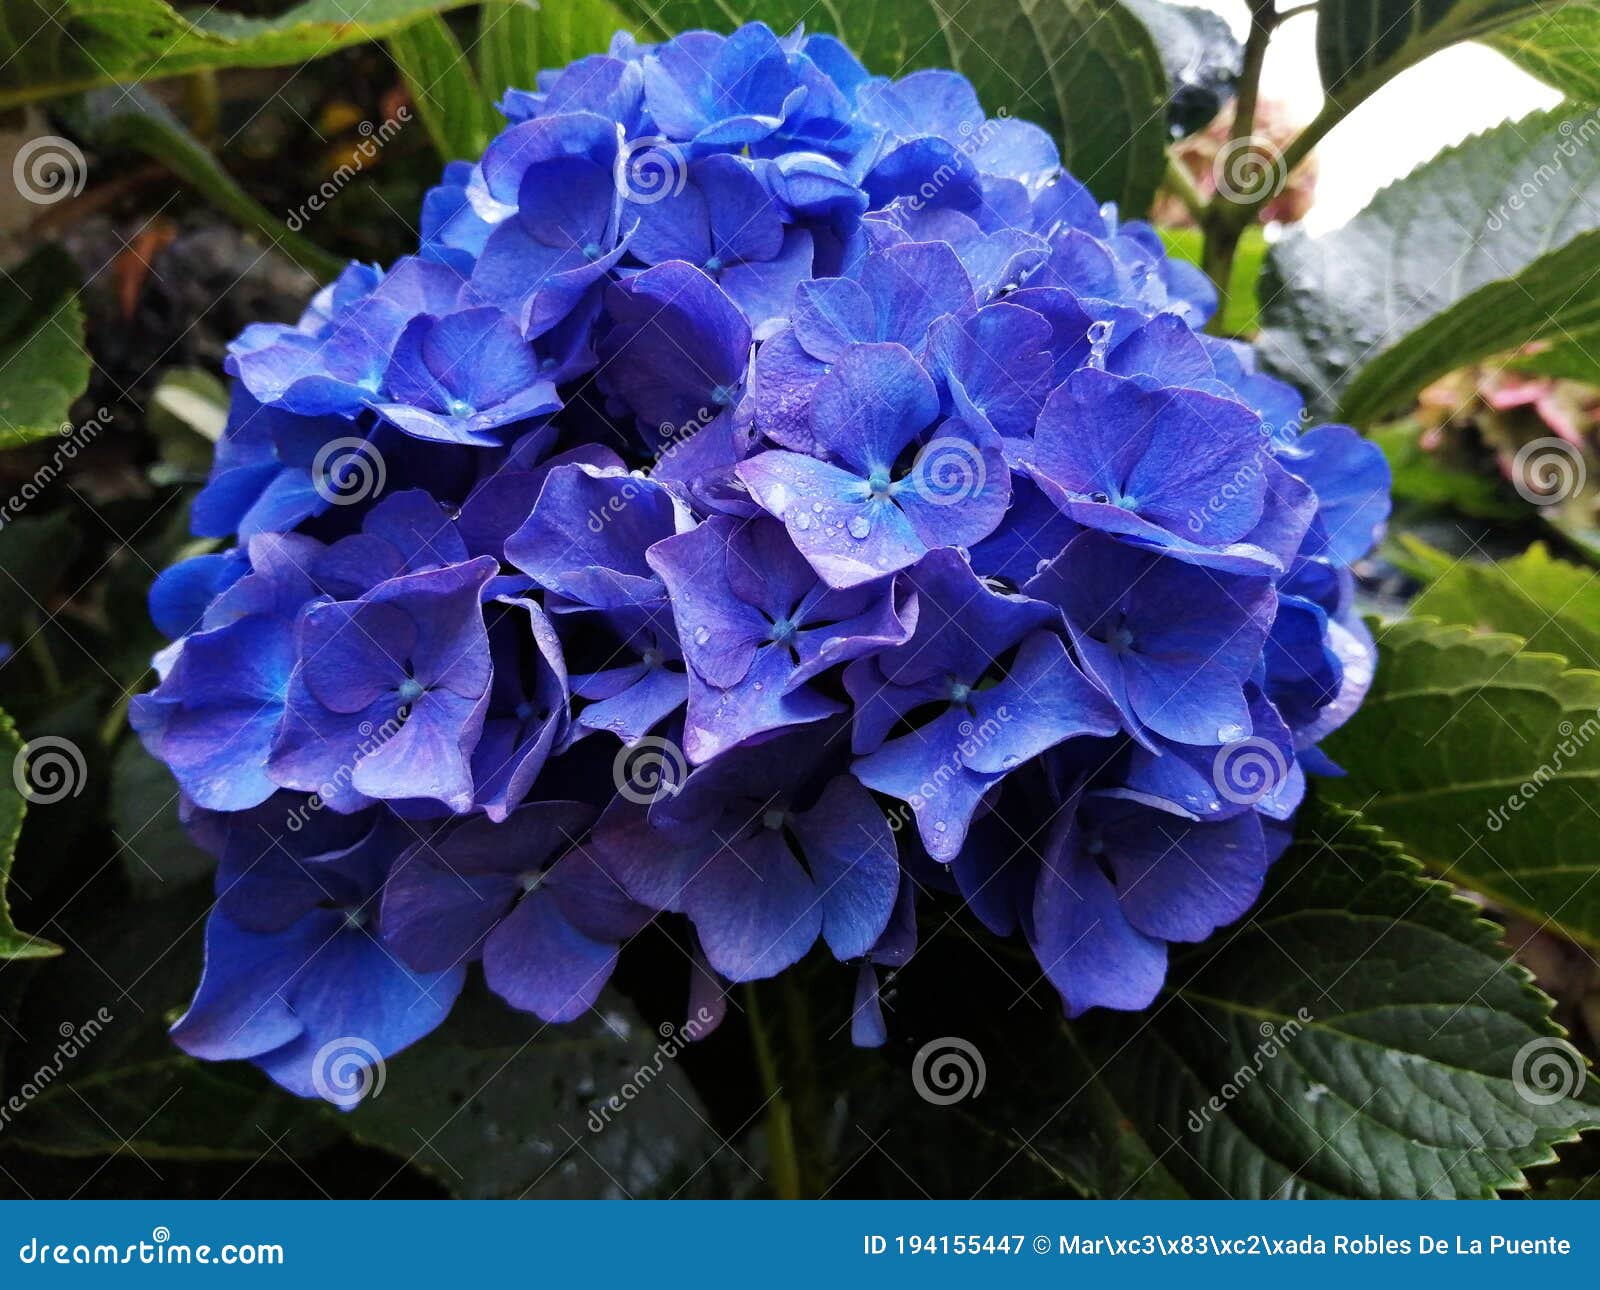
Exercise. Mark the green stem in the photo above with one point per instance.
(1220, 222)
(111, 728)
(1262, 22)
(1180, 183)
(780, 1116)
(39, 648)
(202, 103)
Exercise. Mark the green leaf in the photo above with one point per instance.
(495, 1104)
(1572, 361)
(13, 943)
(1360, 1034)
(132, 118)
(454, 108)
(1085, 70)
(54, 47)
(116, 1082)
(1482, 760)
(518, 39)
(153, 848)
(507, 46)
(43, 364)
(1554, 606)
(1363, 43)
(1560, 46)
(1487, 247)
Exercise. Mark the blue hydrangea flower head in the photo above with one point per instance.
(770, 491)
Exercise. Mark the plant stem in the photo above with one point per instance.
(39, 648)
(111, 728)
(1262, 20)
(202, 103)
(1181, 185)
(780, 1116)
(1221, 222)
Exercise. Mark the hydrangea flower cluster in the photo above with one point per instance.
(771, 495)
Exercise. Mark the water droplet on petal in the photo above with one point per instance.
(939, 826)
(859, 527)
(701, 635)
(1228, 733)
(802, 521)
